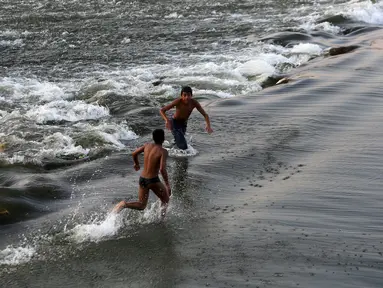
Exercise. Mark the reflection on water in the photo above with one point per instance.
(180, 175)
(181, 183)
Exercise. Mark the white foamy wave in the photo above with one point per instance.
(324, 26)
(307, 48)
(67, 111)
(20, 159)
(256, 67)
(3, 113)
(111, 132)
(13, 33)
(14, 115)
(222, 75)
(53, 146)
(59, 144)
(17, 42)
(47, 91)
(138, 81)
(112, 139)
(32, 89)
(265, 64)
(9, 33)
(218, 93)
(118, 131)
(4, 100)
(126, 40)
(275, 59)
(365, 11)
(173, 15)
(16, 255)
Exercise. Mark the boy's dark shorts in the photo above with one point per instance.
(145, 182)
(178, 131)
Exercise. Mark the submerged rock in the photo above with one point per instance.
(285, 38)
(158, 82)
(89, 140)
(283, 81)
(59, 163)
(93, 89)
(341, 50)
(119, 104)
(272, 80)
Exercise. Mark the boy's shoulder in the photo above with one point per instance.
(164, 152)
(195, 102)
(175, 102)
(148, 145)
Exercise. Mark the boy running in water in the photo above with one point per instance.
(154, 161)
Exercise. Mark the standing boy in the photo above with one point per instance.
(184, 107)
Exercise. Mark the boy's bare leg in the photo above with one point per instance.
(162, 193)
(143, 196)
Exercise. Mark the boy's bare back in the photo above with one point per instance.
(153, 155)
(154, 162)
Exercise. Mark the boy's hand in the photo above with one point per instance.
(168, 125)
(208, 129)
(136, 167)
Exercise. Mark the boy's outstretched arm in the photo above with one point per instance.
(204, 114)
(163, 113)
(135, 157)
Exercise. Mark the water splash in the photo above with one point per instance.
(175, 152)
(97, 229)
(107, 226)
(16, 255)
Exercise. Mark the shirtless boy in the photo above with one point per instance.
(184, 107)
(154, 160)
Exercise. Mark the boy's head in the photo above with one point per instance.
(186, 94)
(158, 136)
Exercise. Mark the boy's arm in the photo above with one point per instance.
(166, 108)
(135, 157)
(163, 170)
(204, 114)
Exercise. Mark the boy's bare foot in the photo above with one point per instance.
(119, 207)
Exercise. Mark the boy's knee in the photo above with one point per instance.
(142, 206)
(165, 197)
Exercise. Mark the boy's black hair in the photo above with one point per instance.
(187, 89)
(159, 136)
